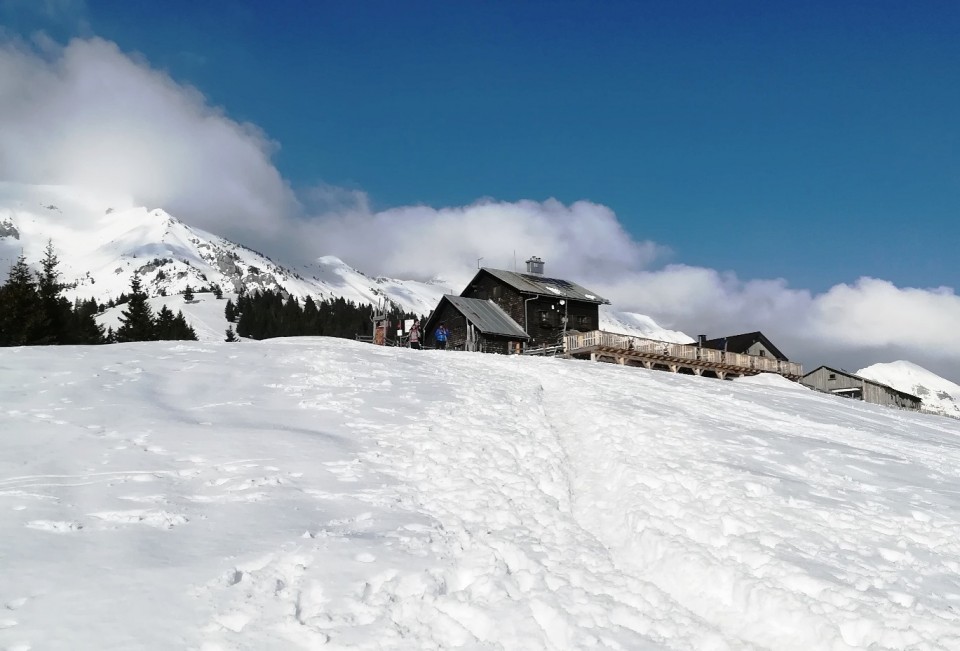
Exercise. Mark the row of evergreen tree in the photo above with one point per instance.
(267, 314)
(33, 312)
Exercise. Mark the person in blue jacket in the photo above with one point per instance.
(441, 334)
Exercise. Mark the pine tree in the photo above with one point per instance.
(188, 294)
(164, 328)
(230, 312)
(181, 329)
(20, 310)
(217, 292)
(54, 311)
(231, 335)
(136, 322)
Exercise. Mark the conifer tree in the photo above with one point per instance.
(231, 335)
(188, 294)
(230, 312)
(54, 311)
(182, 330)
(164, 328)
(136, 322)
(20, 313)
(217, 292)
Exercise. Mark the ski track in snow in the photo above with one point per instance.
(321, 493)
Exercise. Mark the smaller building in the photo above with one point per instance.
(850, 385)
(476, 325)
(749, 343)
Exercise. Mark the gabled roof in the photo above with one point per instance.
(740, 344)
(534, 284)
(486, 316)
(864, 379)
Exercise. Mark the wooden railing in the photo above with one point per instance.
(578, 340)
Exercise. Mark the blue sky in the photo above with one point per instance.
(814, 141)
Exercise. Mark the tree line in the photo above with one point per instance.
(267, 314)
(33, 312)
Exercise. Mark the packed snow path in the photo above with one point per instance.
(326, 494)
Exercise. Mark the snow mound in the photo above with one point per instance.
(770, 380)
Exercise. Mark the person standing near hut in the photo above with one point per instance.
(415, 335)
(441, 334)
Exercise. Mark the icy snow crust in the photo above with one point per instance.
(298, 493)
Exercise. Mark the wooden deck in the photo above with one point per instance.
(679, 358)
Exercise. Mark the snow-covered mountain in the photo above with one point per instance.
(102, 242)
(939, 395)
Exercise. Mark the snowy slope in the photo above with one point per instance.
(206, 314)
(294, 494)
(939, 395)
(638, 325)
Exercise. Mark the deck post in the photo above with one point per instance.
(697, 370)
(646, 364)
(674, 368)
(593, 357)
(722, 375)
(621, 360)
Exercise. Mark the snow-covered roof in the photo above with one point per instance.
(486, 316)
(534, 284)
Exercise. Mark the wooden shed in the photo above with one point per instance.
(850, 385)
(475, 325)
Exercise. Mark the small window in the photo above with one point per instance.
(763, 353)
(832, 376)
(544, 318)
(496, 292)
(583, 323)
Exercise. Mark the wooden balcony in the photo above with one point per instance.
(628, 350)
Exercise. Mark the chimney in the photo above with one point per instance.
(535, 266)
(701, 340)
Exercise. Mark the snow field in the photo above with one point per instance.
(309, 493)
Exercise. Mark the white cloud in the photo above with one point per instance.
(582, 240)
(91, 115)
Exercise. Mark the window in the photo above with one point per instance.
(544, 318)
(496, 292)
(583, 323)
(832, 376)
(763, 353)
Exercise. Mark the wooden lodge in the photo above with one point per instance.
(510, 312)
(542, 308)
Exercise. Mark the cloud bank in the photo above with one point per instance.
(92, 116)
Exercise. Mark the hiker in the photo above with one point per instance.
(415, 335)
(441, 334)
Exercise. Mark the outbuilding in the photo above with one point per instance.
(850, 385)
(475, 325)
